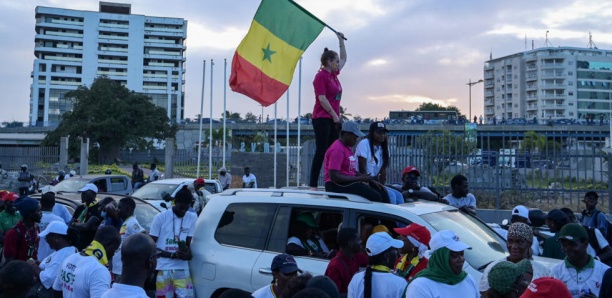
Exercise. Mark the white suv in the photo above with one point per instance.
(241, 230)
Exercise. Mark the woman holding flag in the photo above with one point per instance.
(326, 112)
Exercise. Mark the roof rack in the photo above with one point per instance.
(276, 192)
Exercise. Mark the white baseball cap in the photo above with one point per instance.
(521, 211)
(55, 227)
(89, 186)
(381, 241)
(47, 188)
(448, 239)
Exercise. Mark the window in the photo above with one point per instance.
(245, 225)
(118, 184)
(327, 222)
(570, 73)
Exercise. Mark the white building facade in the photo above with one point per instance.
(549, 84)
(145, 54)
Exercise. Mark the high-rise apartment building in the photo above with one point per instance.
(146, 54)
(549, 83)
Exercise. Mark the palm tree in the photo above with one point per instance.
(344, 115)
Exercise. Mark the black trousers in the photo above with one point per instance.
(325, 134)
(359, 188)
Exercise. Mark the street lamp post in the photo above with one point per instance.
(470, 84)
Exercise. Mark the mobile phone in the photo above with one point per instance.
(182, 245)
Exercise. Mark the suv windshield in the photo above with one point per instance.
(71, 185)
(486, 245)
(153, 191)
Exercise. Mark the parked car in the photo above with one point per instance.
(144, 211)
(241, 230)
(154, 192)
(112, 184)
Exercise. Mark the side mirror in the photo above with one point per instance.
(164, 205)
(505, 222)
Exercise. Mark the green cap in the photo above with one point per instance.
(308, 219)
(573, 232)
(502, 277)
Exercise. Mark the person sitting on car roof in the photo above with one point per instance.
(460, 196)
(340, 168)
(411, 189)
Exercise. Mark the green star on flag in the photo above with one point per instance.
(267, 53)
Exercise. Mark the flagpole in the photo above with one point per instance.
(299, 131)
(224, 106)
(201, 111)
(287, 146)
(210, 136)
(275, 131)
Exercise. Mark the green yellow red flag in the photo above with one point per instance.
(265, 60)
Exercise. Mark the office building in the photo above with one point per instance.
(549, 84)
(146, 54)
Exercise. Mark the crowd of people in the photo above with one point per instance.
(101, 250)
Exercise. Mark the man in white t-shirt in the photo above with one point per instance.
(85, 274)
(154, 175)
(248, 180)
(139, 256)
(460, 196)
(172, 231)
(58, 209)
(129, 227)
(579, 271)
(225, 178)
(47, 201)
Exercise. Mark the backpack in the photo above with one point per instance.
(608, 234)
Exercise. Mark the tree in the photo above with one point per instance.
(12, 124)
(429, 106)
(307, 116)
(231, 115)
(111, 115)
(217, 137)
(344, 114)
(250, 118)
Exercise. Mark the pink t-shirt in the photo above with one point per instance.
(326, 83)
(339, 157)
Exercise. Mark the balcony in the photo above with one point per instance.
(159, 29)
(155, 40)
(118, 26)
(113, 73)
(60, 58)
(113, 49)
(113, 37)
(67, 34)
(65, 83)
(163, 64)
(532, 87)
(532, 108)
(488, 75)
(110, 61)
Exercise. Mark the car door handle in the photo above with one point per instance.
(267, 271)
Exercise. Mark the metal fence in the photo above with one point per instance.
(503, 169)
(41, 162)
(186, 161)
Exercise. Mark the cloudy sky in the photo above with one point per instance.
(400, 53)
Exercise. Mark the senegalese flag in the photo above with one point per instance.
(265, 60)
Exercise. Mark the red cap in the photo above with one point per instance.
(416, 231)
(10, 196)
(547, 287)
(199, 181)
(410, 169)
